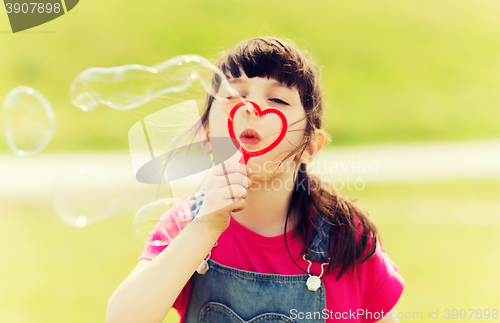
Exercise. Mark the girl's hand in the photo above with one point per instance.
(225, 192)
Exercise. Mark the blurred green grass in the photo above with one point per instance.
(442, 235)
(392, 70)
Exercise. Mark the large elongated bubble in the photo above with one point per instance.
(29, 121)
(130, 86)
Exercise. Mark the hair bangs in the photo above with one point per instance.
(261, 58)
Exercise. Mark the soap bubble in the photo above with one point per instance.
(130, 86)
(167, 146)
(83, 195)
(29, 121)
(167, 217)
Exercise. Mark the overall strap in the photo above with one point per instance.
(321, 239)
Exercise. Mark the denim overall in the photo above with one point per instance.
(228, 295)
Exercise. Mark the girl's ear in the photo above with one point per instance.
(204, 140)
(313, 147)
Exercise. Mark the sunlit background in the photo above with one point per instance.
(413, 86)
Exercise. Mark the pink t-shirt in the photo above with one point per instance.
(361, 296)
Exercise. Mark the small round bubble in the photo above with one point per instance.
(161, 221)
(83, 195)
(29, 121)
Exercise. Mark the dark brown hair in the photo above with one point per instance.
(273, 58)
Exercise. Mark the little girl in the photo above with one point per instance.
(276, 253)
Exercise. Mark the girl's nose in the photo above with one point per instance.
(248, 110)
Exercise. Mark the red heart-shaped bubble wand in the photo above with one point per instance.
(259, 113)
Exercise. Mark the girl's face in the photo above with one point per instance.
(267, 93)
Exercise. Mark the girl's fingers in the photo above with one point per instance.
(234, 179)
(227, 187)
(230, 167)
(241, 206)
(233, 192)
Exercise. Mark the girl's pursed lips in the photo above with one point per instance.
(249, 137)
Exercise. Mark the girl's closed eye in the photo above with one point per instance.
(230, 96)
(279, 101)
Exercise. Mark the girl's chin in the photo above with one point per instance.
(270, 164)
(272, 182)
(257, 173)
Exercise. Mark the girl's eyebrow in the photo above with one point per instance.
(279, 84)
(237, 80)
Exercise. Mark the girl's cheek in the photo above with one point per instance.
(227, 105)
(218, 122)
(294, 136)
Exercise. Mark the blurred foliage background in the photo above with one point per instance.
(393, 71)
